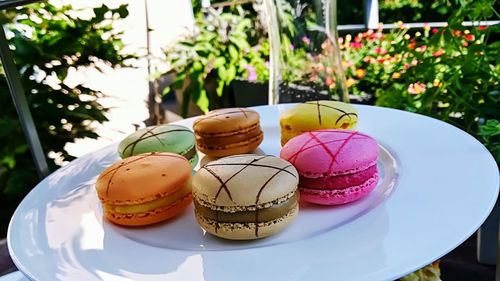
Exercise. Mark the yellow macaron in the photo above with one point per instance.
(316, 115)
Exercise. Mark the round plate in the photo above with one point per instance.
(437, 186)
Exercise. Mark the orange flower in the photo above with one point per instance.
(349, 82)
(396, 75)
(456, 33)
(437, 83)
(328, 81)
(438, 53)
(416, 88)
(360, 73)
(412, 44)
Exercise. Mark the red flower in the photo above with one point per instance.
(329, 81)
(381, 51)
(470, 37)
(482, 27)
(435, 30)
(356, 45)
(438, 53)
(465, 44)
(421, 49)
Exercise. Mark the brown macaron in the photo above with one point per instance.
(246, 196)
(228, 131)
(145, 189)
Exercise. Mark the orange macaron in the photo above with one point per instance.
(228, 131)
(145, 189)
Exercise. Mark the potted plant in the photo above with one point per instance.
(207, 61)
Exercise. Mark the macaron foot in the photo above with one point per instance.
(338, 196)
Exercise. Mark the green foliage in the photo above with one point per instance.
(452, 75)
(490, 134)
(47, 43)
(219, 51)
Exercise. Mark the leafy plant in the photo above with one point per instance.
(452, 74)
(216, 53)
(48, 42)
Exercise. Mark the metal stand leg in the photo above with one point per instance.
(487, 238)
(497, 278)
(17, 93)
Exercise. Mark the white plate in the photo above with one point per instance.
(446, 185)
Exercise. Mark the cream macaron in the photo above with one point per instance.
(245, 197)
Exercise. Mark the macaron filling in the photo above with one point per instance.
(215, 140)
(277, 210)
(189, 154)
(339, 196)
(233, 144)
(163, 201)
(338, 181)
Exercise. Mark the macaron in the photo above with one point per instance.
(245, 197)
(162, 138)
(228, 131)
(316, 115)
(335, 166)
(145, 188)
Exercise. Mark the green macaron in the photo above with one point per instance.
(162, 138)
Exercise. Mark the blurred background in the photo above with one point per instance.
(95, 71)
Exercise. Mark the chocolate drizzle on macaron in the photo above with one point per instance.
(316, 115)
(149, 134)
(335, 166)
(162, 138)
(229, 131)
(350, 115)
(137, 191)
(234, 203)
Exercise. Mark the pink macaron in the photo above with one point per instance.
(335, 166)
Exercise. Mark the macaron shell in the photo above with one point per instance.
(244, 180)
(162, 138)
(247, 231)
(335, 152)
(227, 121)
(316, 115)
(339, 182)
(151, 217)
(235, 148)
(143, 178)
(338, 196)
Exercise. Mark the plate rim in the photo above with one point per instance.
(479, 221)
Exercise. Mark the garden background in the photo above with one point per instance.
(450, 73)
